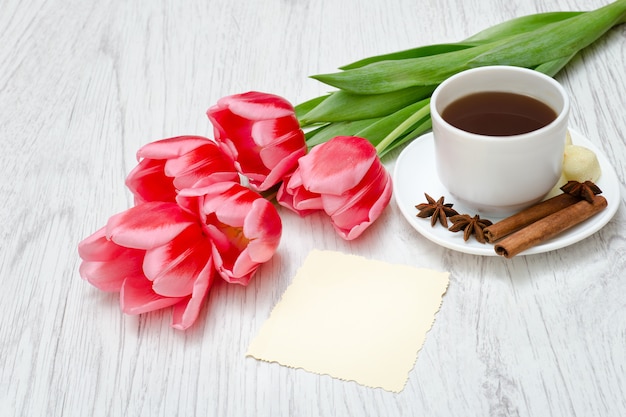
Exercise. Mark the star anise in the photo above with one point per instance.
(584, 190)
(470, 225)
(436, 210)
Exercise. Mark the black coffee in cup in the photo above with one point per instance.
(496, 113)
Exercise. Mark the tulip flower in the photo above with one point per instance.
(156, 256)
(162, 254)
(244, 227)
(343, 177)
(261, 133)
(169, 165)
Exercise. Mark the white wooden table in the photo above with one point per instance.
(83, 84)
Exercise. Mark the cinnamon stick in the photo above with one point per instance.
(549, 226)
(528, 216)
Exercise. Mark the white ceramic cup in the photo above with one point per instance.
(499, 175)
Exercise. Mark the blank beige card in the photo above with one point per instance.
(352, 318)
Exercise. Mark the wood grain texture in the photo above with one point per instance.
(83, 84)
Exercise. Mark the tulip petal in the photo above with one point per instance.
(171, 147)
(255, 105)
(305, 201)
(148, 182)
(231, 129)
(286, 146)
(97, 247)
(281, 131)
(292, 195)
(137, 297)
(207, 161)
(286, 198)
(109, 276)
(148, 225)
(234, 267)
(240, 272)
(106, 265)
(365, 193)
(174, 267)
(337, 165)
(281, 170)
(263, 228)
(186, 312)
(352, 221)
(238, 142)
(229, 202)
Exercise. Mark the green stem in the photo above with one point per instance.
(402, 127)
(556, 40)
(559, 39)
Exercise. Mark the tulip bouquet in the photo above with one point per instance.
(201, 212)
(202, 207)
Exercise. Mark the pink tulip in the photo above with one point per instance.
(162, 254)
(261, 133)
(244, 227)
(343, 177)
(169, 165)
(156, 256)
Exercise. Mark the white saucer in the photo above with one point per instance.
(415, 174)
